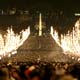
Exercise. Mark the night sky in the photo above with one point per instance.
(69, 6)
(42, 4)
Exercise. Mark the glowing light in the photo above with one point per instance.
(14, 52)
(32, 68)
(40, 25)
(77, 14)
(9, 55)
(10, 42)
(70, 42)
(0, 58)
(54, 34)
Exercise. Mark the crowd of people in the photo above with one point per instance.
(48, 56)
(39, 70)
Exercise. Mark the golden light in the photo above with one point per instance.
(40, 25)
(32, 68)
(70, 42)
(10, 42)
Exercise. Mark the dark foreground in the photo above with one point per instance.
(39, 70)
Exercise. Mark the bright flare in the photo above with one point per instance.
(40, 25)
(10, 42)
(70, 42)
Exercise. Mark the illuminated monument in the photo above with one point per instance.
(48, 47)
(41, 47)
(40, 25)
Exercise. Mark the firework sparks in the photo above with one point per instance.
(69, 42)
(10, 42)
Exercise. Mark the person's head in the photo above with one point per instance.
(34, 75)
(4, 74)
(35, 78)
(15, 73)
(67, 77)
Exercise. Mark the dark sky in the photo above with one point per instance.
(70, 6)
(42, 4)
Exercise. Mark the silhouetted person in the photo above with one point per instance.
(4, 74)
